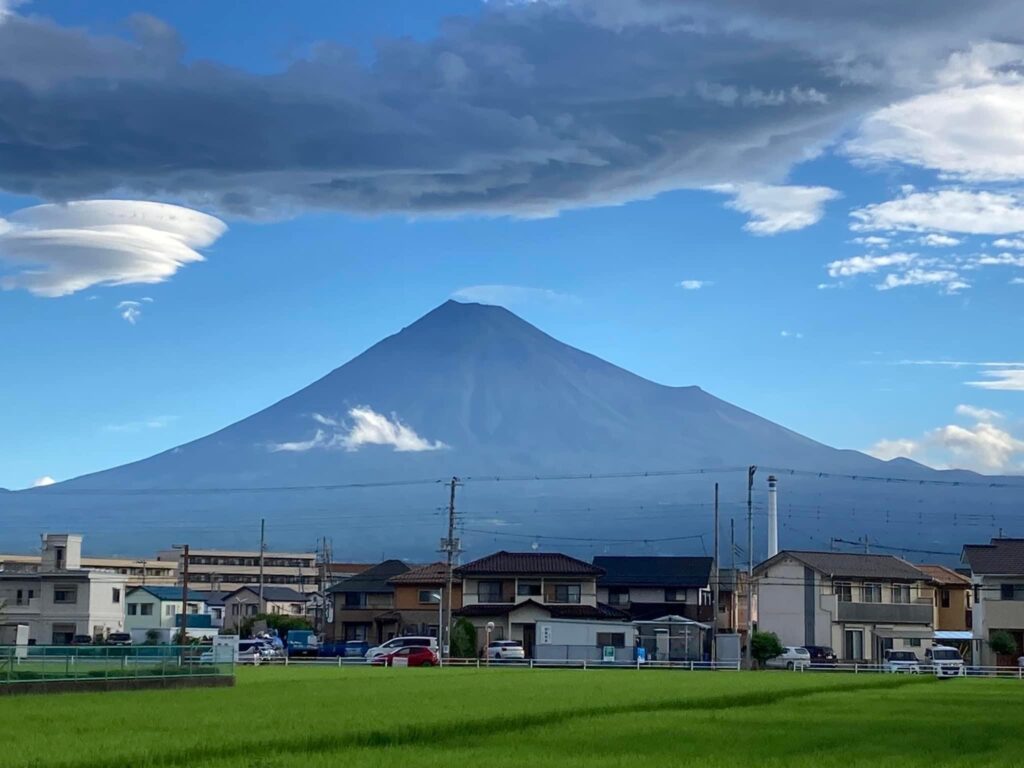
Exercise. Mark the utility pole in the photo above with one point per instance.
(751, 471)
(449, 547)
(866, 551)
(184, 594)
(263, 547)
(714, 588)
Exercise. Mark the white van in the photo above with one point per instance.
(401, 642)
(945, 661)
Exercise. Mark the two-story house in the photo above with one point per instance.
(159, 608)
(651, 587)
(245, 603)
(419, 598)
(362, 607)
(954, 598)
(997, 576)
(58, 599)
(857, 604)
(515, 590)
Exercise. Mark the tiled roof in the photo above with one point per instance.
(528, 564)
(946, 576)
(654, 571)
(853, 565)
(1001, 556)
(276, 594)
(372, 579)
(560, 611)
(434, 573)
(169, 593)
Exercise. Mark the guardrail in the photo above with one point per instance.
(34, 663)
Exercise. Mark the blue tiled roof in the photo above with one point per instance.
(169, 593)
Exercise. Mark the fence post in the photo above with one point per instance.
(339, 662)
(855, 668)
(691, 665)
(531, 663)
(478, 662)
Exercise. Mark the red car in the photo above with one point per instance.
(410, 656)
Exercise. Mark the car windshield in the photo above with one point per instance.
(946, 654)
(902, 656)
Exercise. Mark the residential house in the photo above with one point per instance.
(59, 598)
(159, 608)
(997, 576)
(217, 569)
(335, 572)
(364, 605)
(858, 604)
(515, 590)
(954, 598)
(651, 587)
(732, 601)
(245, 603)
(418, 598)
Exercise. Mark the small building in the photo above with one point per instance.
(418, 598)
(364, 605)
(579, 639)
(60, 599)
(650, 587)
(159, 608)
(245, 603)
(997, 577)
(674, 638)
(857, 604)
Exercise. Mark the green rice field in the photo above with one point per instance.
(303, 716)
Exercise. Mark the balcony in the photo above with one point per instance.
(15, 608)
(886, 613)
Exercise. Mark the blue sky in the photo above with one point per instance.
(816, 246)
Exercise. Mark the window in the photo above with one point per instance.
(356, 632)
(675, 595)
(236, 609)
(945, 598)
(1011, 591)
(872, 593)
(618, 596)
(900, 593)
(616, 639)
(528, 589)
(66, 594)
(133, 609)
(704, 596)
(169, 610)
(844, 592)
(914, 642)
(146, 609)
(355, 599)
(429, 597)
(853, 647)
(19, 598)
(489, 592)
(58, 554)
(567, 593)
(115, 595)
(250, 609)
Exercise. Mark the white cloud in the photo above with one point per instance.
(1010, 242)
(982, 446)
(980, 414)
(948, 279)
(504, 295)
(694, 285)
(774, 209)
(860, 265)
(1009, 379)
(1017, 281)
(997, 260)
(934, 240)
(367, 427)
(45, 480)
(946, 210)
(791, 334)
(59, 249)
(157, 422)
(872, 241)
(132, 310)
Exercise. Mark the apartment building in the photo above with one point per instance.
(857, 604)
(59, 599)
(138, 571)
(997, 578)
(227, 570)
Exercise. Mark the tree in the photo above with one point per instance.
(463, 639)
(764, 646)
(1002, 643)
(152, 637)
(276, 621)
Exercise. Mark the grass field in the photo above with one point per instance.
(566, 718)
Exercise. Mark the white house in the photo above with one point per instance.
(158, 608)
(997, 573)
(59, 599)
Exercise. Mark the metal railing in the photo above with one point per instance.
(52, 663)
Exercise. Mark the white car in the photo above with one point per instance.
(395, 643)
(945, 661)
(792, 657)
(901, 662)
(506, 650)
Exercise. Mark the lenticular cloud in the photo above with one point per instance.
(58, 249)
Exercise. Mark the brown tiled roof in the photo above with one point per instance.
(942, 575)
(434, 573)
(1001, 556)
(853, 565)
(528, 564)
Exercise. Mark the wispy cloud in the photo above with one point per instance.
(363, 427)
(776, 209)
(693, 285)
(791, 334)
(510, 295)
(1009, 379)
(860, 265)
(131, 310)
(980, 414)
(157, 422)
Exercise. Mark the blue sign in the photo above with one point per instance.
(641, 654)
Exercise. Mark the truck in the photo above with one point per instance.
(945, 661)
(301, 642)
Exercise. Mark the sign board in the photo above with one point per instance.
(608, 654)
(225, 648)
(399, 661)
(641, 654)
(545, 634)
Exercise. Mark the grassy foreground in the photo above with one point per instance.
(565, 718)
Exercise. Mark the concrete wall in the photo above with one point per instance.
(792, 603)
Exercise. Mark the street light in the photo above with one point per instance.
(487, 645)
(439, 596)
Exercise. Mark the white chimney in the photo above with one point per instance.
(773, 517)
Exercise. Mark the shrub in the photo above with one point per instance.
(463, 639)
(764, 646)
(1002, 643)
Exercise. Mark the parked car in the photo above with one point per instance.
(81, 640)
(792, 657)
(401, 642)
(945, 661)
(355, 648)
(119, 638)
(822, 656)
(409, 656)
(506, 650)
(904, 662)
(301, 642)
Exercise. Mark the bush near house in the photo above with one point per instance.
(1002, 643)
(764, 646)
(274, 621)
(463, 640)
